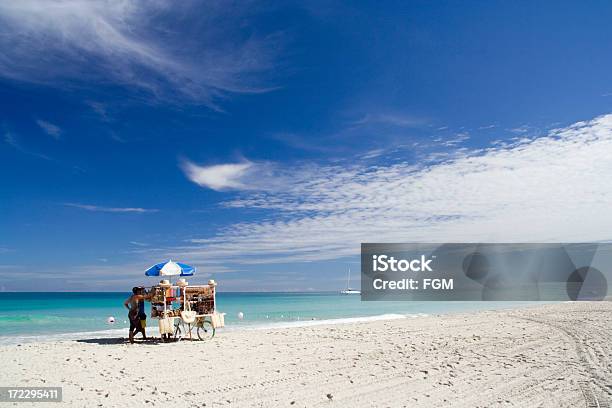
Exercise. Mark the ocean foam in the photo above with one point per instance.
(322, 322)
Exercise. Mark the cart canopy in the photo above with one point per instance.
(170, 268)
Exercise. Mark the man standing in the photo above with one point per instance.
(135, 312)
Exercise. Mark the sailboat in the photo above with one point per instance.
(348, 290)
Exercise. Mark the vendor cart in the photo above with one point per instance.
(185, 311)
(181, 308)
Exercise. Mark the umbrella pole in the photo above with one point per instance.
(165, 312)
(186, 307)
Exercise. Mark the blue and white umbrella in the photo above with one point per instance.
(170, 268)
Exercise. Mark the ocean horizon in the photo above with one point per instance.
(40, 316)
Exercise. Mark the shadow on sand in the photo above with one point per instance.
(120, 340)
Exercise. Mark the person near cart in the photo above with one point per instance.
(136, 314)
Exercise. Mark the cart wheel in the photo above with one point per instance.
(205, 330)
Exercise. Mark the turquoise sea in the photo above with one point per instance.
(35, 316)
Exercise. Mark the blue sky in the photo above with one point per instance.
(263, 141)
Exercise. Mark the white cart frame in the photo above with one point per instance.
(205, 324)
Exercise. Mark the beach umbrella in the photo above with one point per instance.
(170, 268)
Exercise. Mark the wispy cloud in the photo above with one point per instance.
(96, 275)
(372, 154)
(13, 140)
(113, 135)
(313, 143)
(157, 48)
(521, 129)
(49, 128)
(98, 208)
(139, 244)
(377, 131)
(552, 188)
(455, 139)
(393, 119)
(100, 109)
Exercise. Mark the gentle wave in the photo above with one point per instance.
(343, 320)
(35, 319)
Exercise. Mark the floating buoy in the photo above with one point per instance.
(240, 315)
(110, 320)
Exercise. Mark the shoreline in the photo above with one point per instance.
(555, 355)
(122, 332)
(258, 325)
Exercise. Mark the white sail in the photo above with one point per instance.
(348, 290)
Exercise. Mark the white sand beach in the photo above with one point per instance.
(545, 356)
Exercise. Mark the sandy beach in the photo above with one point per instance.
(545, 356)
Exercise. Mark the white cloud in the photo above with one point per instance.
(49, 128)
(98, 208)
(218, 177)
(191, 51)
(243, 176)
(552, 188)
